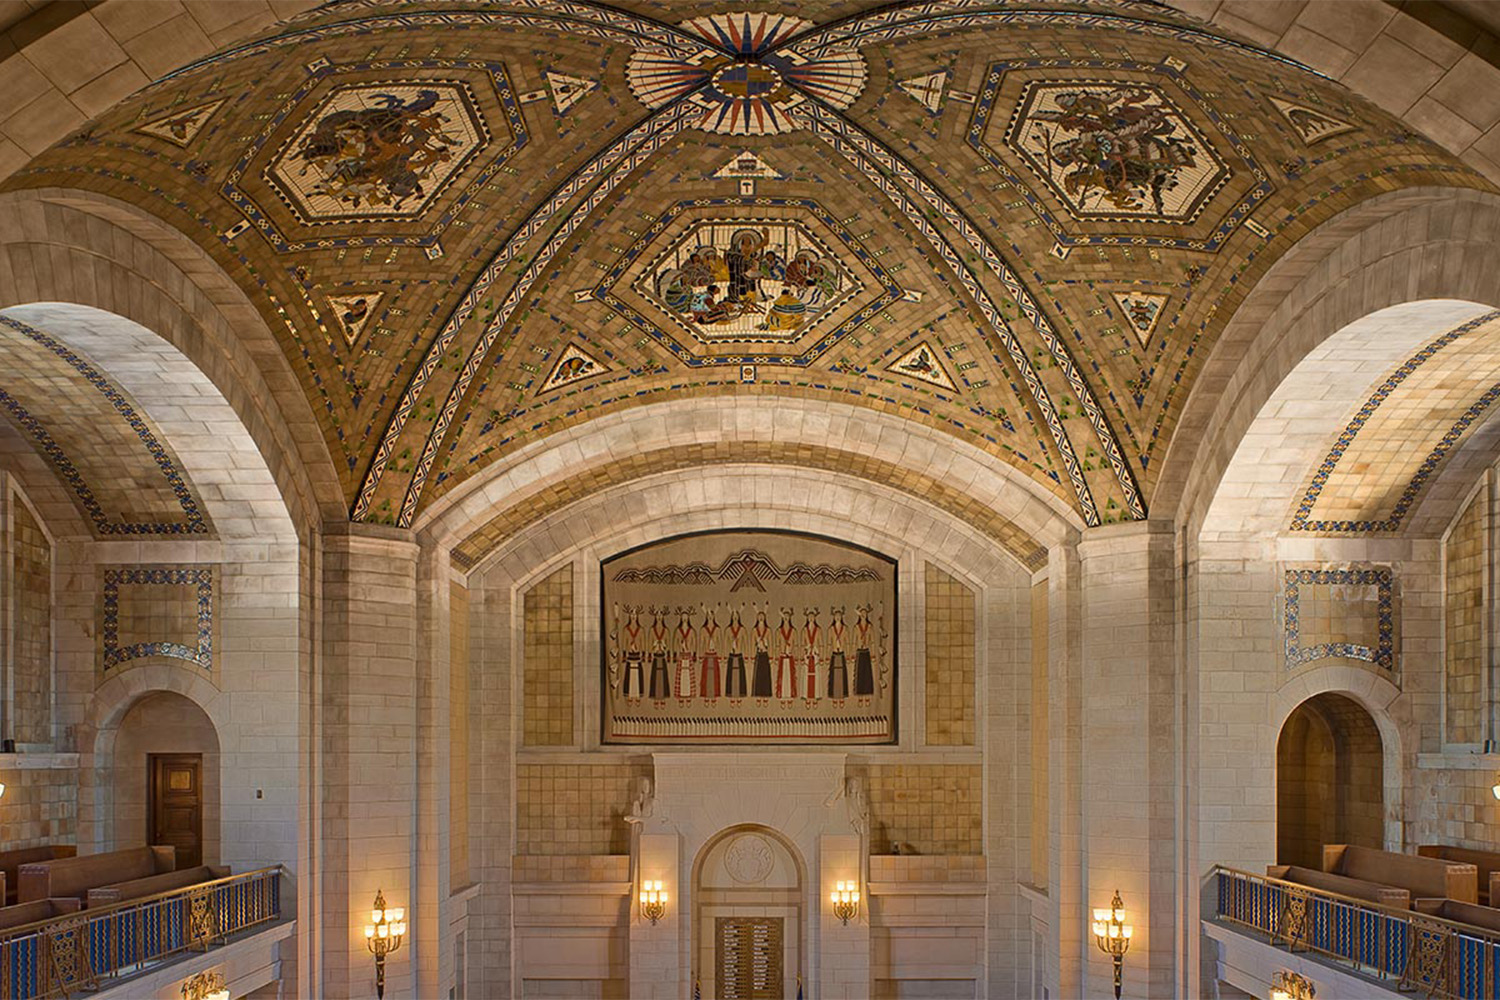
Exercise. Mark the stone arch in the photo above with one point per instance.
(157, 722)
(1396, 248)
(1329, 779)
(96, 251)
(782, 887)
(1387, 709)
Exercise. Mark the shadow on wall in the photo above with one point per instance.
(1330, 785)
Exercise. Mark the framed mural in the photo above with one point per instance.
(748, 637)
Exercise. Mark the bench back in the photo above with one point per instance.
(11, 862)
(76, 876)
(1423, 877)
(1385, 895)
(150, 886)
(1487, 862)
(1464, 913)
(29, 913)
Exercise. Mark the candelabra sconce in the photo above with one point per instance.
(653, 900)
(845, 896)
(1290, 986)
(1112, 935)
(205, 986)
(383, 936)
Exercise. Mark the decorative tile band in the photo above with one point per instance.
(195, 523)
(1302, 517)
(1384, 653)
(200, 655)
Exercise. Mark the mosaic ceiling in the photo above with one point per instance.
(471, 225)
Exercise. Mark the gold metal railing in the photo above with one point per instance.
(84, 950)
(1419, 952)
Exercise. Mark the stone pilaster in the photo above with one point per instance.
(1128, 731)
(369, 746)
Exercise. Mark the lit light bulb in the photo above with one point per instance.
(369, 931)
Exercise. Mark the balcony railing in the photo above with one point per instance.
(1427, 954)
(83, 951)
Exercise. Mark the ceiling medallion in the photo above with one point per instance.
(740, 80)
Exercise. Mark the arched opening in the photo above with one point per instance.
(1330, 782)
(748, 914)
(164, 778)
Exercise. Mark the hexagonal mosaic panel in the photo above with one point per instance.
(378, 151)
(746, 280)
(1110, 149)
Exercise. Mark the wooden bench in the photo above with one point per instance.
(1429, 878)
(34, 912)
(76, 876)
(11, 862)
(1488, 863)
(1463, 913)
(153, 884)
(1372, 892)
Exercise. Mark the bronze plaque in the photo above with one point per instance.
(749, 637)
(748, 958)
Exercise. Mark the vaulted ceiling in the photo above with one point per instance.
(472, 226)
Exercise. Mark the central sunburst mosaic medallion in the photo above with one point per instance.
(740, 80)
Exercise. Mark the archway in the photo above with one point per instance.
(1330, 786)
(748, 914)
(164, 763)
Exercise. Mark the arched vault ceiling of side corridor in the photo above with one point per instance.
(471, 225)
(119, 468)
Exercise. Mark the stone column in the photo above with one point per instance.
(1128, 734)
(658, 952)
(370, 760)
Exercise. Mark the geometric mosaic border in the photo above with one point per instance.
(202, 655)
(195, 523)
(1384, 653)
(1301, 517)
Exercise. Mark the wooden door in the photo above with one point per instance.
(175, 815)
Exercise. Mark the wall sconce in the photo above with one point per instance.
(1290, 986)
(845, 896)
(1494, 789)
(205, 986)
(653, 900)
(383, 936)
(1112, 934)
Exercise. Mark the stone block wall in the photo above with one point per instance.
(30, 710)
(547, 678)
(1464, 569)
(949, 684)
(575, 808)
(40, 805)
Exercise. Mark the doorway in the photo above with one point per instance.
(1330, 780)
(175, 810)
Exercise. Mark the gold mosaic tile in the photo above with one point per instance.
(547, 678)
(1068, 352)
(575, 808)
(31, 644)
(950, 660)
(1463, 623)
(926, 808)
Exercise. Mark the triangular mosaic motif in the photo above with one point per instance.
(922, 363)
(926, 90)
(180, 127)
(1142, 312)
(748, 164)
(353, 312)
(575, 365)
(568, 90)
(1312, 124)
